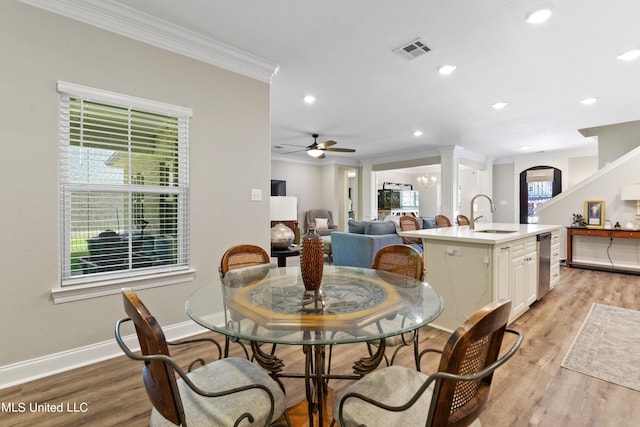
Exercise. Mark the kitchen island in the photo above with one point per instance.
(471, 268)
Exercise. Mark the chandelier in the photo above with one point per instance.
(428, 181)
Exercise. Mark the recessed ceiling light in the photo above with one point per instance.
(309, 99)
(630, 55)
(538, 16)
(446, 69)
(525, 147)
(417, 133)
(499, 105)
(589, 101)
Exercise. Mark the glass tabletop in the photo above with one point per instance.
(268, 304)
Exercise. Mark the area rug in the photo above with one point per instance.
(608, 346)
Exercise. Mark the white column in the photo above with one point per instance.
(449, 164)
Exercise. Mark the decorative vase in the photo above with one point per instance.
(281, 236)
(312, 260)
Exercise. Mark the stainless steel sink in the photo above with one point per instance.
(495, 231)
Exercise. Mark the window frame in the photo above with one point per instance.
(74, 287)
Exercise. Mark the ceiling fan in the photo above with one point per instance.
(317, 150)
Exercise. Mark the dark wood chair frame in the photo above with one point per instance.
(461, 385)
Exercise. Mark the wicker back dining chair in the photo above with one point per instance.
(241, 256)
(463, 220)
(400, 259)
(405, 261)
(442, 221)
(223, 392)
(409, 223)
(453, 396)
(236, 258)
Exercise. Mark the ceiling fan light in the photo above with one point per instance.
(630, 55)
(538, 16)
(314, 152)
(446, 69)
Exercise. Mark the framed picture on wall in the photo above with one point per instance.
(594, 213)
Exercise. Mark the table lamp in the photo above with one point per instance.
(632, 192)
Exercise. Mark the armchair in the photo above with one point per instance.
(310, 221)
(315, 218)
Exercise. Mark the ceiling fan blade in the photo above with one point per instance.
(296, 151)
(326, 144)
(341, 150)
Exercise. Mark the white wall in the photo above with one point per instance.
(503, 193)
(314, 185)
(229, 156)
(605, 185)
(581, 168)
(614, 140)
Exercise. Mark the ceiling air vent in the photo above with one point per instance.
(412, 50)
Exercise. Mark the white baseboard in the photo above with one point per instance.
(40, 367)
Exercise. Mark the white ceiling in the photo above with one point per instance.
(371, 99)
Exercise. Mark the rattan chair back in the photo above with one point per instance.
(473, 347)
(409, 223)
(400, 259)
(241, 256)
(442, 221)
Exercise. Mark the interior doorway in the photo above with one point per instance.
(538, 185)
(351, 201)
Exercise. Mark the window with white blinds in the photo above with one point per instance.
(124, 185)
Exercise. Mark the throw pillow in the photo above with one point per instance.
(322, 223)
(428, 222)
(356, 227)
(380, 227)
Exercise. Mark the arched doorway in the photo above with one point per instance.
(538, 184)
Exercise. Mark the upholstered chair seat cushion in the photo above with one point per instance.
(225, 373)
(393, 385)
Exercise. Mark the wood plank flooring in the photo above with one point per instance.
(530, 390)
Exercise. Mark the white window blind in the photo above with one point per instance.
(124, 185)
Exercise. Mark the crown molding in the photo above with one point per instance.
(112, 16)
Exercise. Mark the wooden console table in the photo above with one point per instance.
(590, 232)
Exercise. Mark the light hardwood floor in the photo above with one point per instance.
(530, 390)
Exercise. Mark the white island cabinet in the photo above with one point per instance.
(471, 268)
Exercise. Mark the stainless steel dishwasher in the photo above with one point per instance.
(544, 264)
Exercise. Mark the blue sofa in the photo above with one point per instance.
(359, 246)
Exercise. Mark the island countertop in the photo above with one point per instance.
(489, 233)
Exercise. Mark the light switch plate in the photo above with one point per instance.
(256, 195)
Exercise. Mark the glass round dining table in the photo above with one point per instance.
(263, 304)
